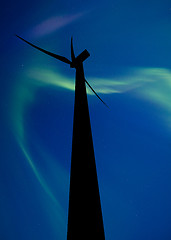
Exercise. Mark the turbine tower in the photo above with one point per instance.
(85, 221)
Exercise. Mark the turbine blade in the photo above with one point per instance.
(96, 93)
(83, 56)
(61, 58)
(72, 51)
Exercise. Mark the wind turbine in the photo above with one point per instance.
(85, 219)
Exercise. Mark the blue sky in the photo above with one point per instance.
(130, 44)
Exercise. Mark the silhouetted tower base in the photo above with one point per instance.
(85, 215)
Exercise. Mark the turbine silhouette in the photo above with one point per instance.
(85, 219)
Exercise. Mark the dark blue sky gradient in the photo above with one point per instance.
(130, 68)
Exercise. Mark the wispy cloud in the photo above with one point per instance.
(118, 84)
(53, 24)
(153, 84)
(23, 96)
(43, 77)
(158, 91)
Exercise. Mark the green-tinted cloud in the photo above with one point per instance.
(153, 84)
(43, 77)
(23, 96)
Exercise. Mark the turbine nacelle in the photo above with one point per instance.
(79, 59)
